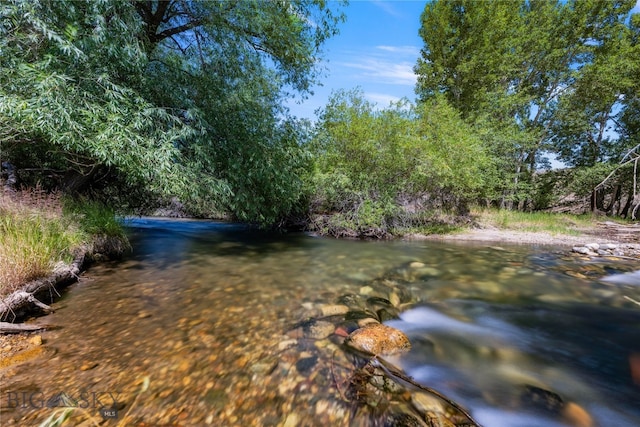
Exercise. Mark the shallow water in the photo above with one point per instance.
(201, 310)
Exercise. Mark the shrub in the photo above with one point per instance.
(369, 162)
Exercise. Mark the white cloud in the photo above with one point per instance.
(636, 8)
(382, 64)
(382, 99)
(388, 8)
(377, 69)
(404, 50)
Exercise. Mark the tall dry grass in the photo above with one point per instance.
(554, 223)
(34, 236)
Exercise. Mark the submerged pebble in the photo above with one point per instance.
(332, 310)
(220, 341)
(378, 339)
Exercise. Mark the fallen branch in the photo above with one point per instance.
(394, 373)
(631, 299)
(11, 328)
(26, 295)
(29, 298)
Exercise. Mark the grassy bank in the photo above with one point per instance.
(39, 230)
(363, 223)
(553, 223)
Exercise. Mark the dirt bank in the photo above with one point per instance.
(601, 232)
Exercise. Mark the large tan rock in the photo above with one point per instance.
(378, 339)
(577, 416)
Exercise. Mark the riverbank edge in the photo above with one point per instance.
(524, 237)
(26, 300)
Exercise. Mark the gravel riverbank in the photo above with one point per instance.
(625, 237)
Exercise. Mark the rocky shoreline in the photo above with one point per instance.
(604, 239)
(593, 250)
(601, 233)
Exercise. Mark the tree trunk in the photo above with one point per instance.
(12, 179)
(614, 199)
(597, 200)
(625, 210)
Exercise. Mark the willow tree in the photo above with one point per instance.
(235, 62)
(175, 97)
(66, 109)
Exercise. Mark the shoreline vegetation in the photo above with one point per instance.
(46, 240)
(540, 228)
(63, 236)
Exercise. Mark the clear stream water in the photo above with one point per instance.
(490, 319)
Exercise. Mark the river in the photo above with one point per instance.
(197, 326)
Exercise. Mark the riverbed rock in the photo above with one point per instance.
(583, 250)
(36, 340)
(576, 415)
(592, 246)
(366, 290)
(265, 366)
(318, 329)
(387, 314)
(378, 302)
(333, 309)
(402, 420)
(306, 364)
(378, 339)
(542, 399)
(608, 250)
(425, 403)
(367, 321)
(86, 366)
(394, 298)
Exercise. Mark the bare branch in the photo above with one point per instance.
(175, 30)
(621, 165)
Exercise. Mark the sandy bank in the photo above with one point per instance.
(602, 232)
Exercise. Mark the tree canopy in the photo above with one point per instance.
(163, 98)
(535, 77)
(378, 170)
(137, 102)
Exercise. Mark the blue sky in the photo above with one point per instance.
(376, 50)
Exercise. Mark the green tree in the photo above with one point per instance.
(61, 104)
(582, 131)
(509, 67)
(235, 63)
(170, 98)
(358, 152)
(451, 150)
(379, 171)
